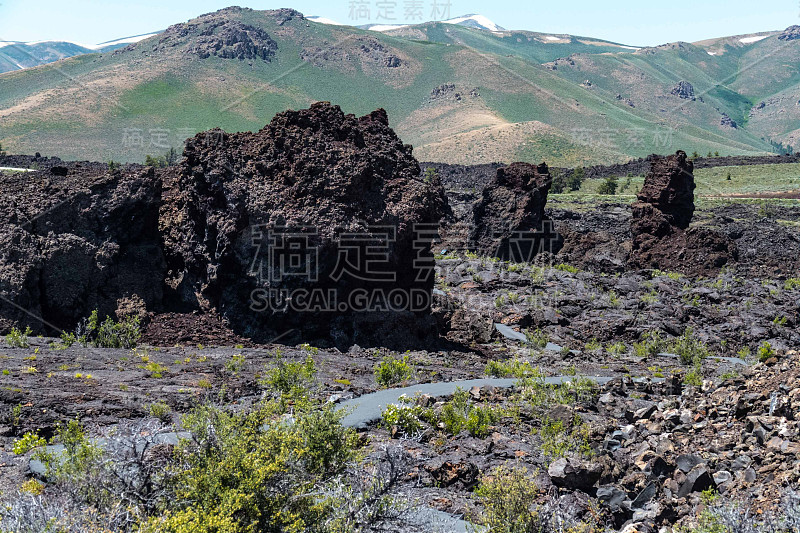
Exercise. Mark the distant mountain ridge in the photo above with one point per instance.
(458, 93)
(17, 55)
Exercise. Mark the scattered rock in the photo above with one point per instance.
(574, 474)
(684, 90)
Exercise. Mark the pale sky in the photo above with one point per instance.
(633, 22)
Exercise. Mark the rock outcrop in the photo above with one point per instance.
(303, 226)
(318, 227)
(73, 243)
(217, 34)
(684, 90)
(660, 225)
(509, 221)
(791, 33)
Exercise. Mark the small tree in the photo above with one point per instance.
(609, 186)
(576, 179)
(171, 157)
(695, 155)
(157, 161)
(559, 183)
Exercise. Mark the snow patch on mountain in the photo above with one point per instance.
(754, 39)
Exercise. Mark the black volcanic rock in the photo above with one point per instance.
(727, 121)
(74, 244)
(509, 220)
(338, 184)
(660, 224)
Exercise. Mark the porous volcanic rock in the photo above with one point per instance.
(324, 182)
(71, 244)
(509, 221)
(660, 224)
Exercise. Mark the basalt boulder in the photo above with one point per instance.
(321, 222)
(662, 213)
(509, 221)
(73, 243)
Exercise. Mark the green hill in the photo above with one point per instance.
(458, 94)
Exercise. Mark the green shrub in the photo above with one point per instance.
(609, 186)
(18, 338)
(618, 348)
(576, 178)
(558, 439)
(160, 410)
(391, 371)
(765, 352)
(689, 349)
(254, 472)
(508, 496)
(106, 334)
(694, 377)
(592, 346)
(537, 338)
(536, 392)
(514, 368)
(567, 268)
(290, 378)
(792, 284)
(28, 442)
(459, 414)
(651, 343)
(406, 418)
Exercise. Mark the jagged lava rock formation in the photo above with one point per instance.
(660, 224)
(77, 242)
(319, 173)
(509, 220)
(199, 237)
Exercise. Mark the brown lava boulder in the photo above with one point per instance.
(345, 191)
(662, 213)
(71, 244)
(509, 221)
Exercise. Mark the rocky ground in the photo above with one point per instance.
(674, 325)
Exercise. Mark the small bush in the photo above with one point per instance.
(160, 410)
(537, 338)
(651, 343)
(689, 349)
(609, 186)
(792, 284)
(592, 346)
(558, 439)
(291, 379)
(514, 368)
(507, 496)
(694, 377)
(18, 338)
(459, 414)
(106, 334)
(406, 418)
(391, 371)
(28, 442)
(765, 352)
